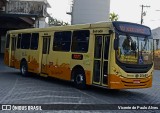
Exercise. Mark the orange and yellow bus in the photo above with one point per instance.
(114, 55)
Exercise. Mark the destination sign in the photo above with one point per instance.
(132, 28)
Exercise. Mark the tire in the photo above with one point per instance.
(24, 69)
(79, 79)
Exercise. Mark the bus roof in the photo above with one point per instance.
(67, 27)
(127, 27)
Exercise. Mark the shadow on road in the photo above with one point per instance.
(92, 89)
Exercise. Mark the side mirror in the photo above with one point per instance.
(116, 44)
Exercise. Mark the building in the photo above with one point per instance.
(89, 11)
(21, 14)
(156, 39)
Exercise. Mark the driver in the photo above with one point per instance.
(127, 44)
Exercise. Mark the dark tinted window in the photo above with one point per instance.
(13, 46)
(34, 41)
(19, 41)
(62, 41)
(106, 51)
(97, 71)
(98, 47)
(25, 41)
(8, 40)
(80, 41)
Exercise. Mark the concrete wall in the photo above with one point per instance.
(90, 11)
(40, 23)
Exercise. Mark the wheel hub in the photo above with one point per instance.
(79, 79)
(23, 69)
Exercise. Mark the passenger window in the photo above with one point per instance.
(80, 41)
(19, 41)
(62, 41)
(8, 41)
(25, 41)
(34, 41)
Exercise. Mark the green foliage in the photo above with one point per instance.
(55, 22)
(113, 17)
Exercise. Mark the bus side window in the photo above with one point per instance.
(80, 41)
(19, 41)
(62, 41)
(34, 41)
(25, 41)
(13, 46)
(8, 40)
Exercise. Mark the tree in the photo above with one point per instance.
(113, 17)
(55, 22)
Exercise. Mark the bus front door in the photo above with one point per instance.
(13, 47)
(45, 53)
(101, 52)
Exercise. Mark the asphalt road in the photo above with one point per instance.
(15, 89)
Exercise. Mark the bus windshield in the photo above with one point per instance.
(135, 49)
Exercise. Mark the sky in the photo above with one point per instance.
(59, 8)
(127, 10)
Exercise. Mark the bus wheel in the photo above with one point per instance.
(79, 79)
(24, 68)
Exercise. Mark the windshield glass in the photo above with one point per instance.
(135, 49)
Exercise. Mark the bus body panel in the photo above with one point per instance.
(58, 65)
(6, 57)
(86, 64)
(116, 82)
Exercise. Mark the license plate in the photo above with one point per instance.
(136, 81)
